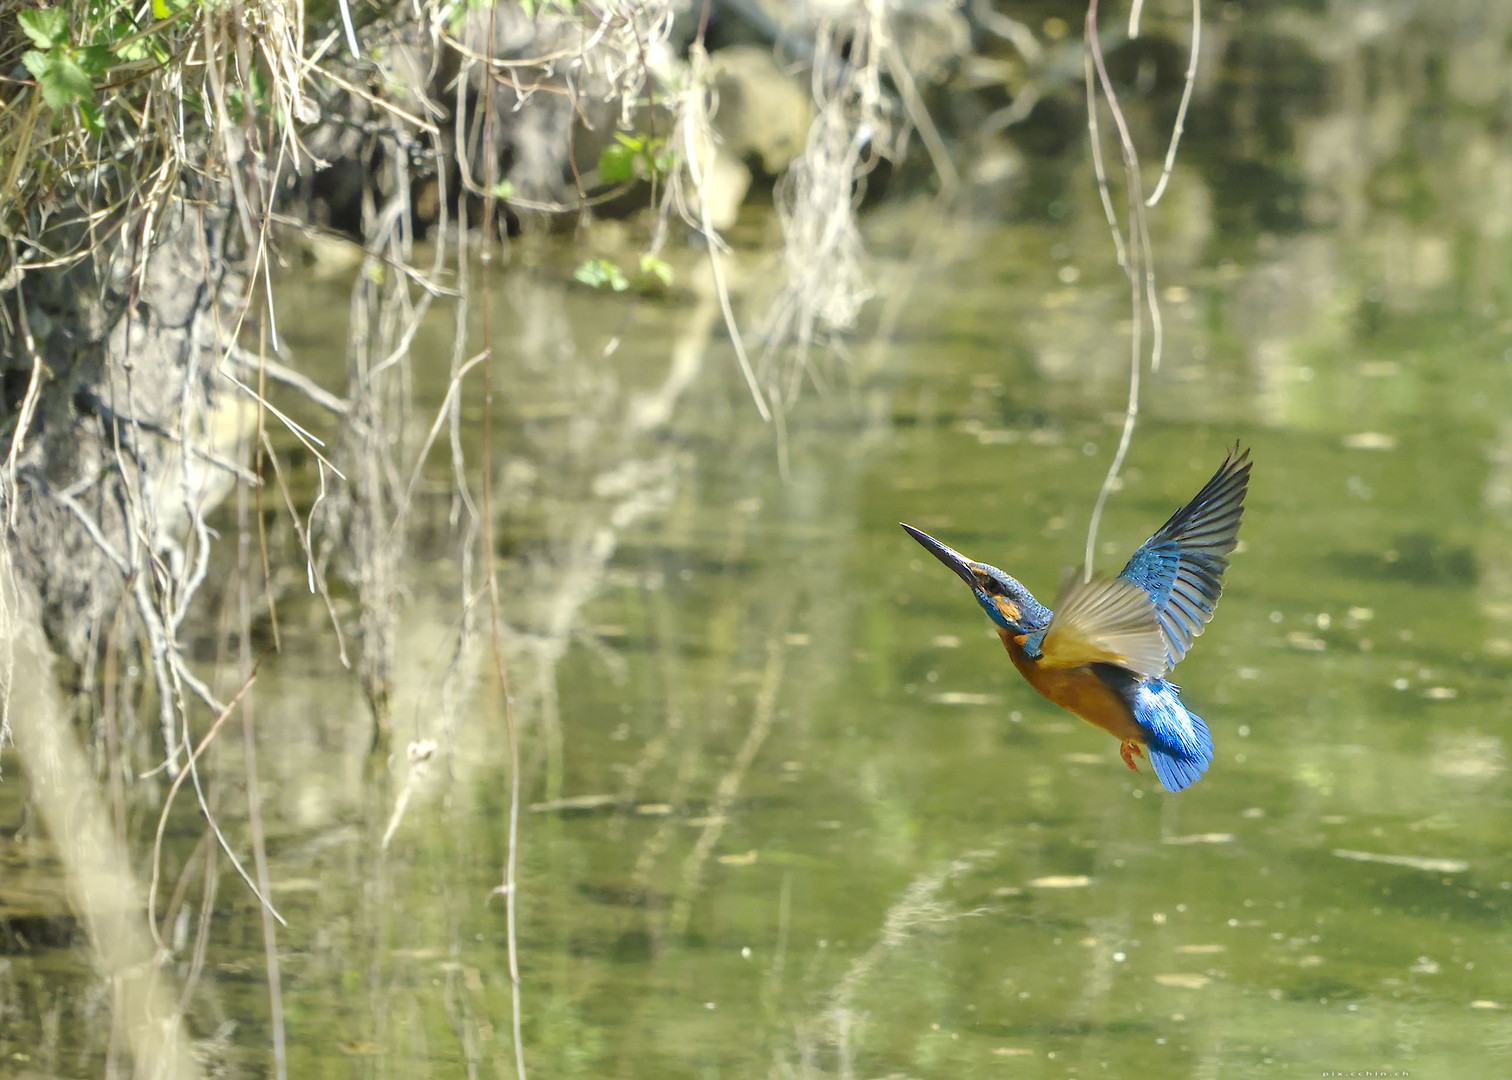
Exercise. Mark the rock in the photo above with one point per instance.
(932, 37)
(130, 371)
(763, 116)
(725, 181)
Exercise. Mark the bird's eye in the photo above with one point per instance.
(992, 585)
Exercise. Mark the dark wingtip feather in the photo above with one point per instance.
(1182, 565)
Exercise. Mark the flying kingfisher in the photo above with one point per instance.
(1105, 652)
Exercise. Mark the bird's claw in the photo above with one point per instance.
(1130, 751)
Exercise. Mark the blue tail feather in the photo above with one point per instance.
(1178, 741)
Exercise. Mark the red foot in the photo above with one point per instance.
(1130, 751)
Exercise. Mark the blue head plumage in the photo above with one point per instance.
(1007, 603)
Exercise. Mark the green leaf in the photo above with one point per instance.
(137, 50)
(504, 190)
(634, 156)
(159, 9)
(95, 59)
(60, 79)
(47, 27)
(36, 62)
(617, 163)
(91, 115)
(598, 273)
(650, 264)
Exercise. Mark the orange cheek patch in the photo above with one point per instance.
(1007, 608)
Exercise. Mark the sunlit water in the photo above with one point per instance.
(789, 809)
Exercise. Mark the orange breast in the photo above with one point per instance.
(1077, 690)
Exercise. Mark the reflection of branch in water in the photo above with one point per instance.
(1493, 592)
(919, 906)
(100, 883)
(579, 578)
(661, 643)
(687, 768)
(419, 753)
(727, 614)
(630, 475)
(654, 410)
(1106, 934)
(729, 784)
(191, 772)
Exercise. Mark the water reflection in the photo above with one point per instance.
(793, 814)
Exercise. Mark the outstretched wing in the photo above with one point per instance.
(1181, 567)
(1107, 621)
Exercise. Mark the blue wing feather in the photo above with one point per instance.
(1182, 565)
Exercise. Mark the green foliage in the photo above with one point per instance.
(116, 28)
(655, 275)
(652, 267)
(96, 68)
(47, 28)
(70, 63)
(66, 72)
(255, 97)
(59, 77)
(600, 274)
(534, 7)
(454, 12)
(65, 75)
(632, 157)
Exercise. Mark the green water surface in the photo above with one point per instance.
(795, 814)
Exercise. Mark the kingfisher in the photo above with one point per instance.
(1105, 651)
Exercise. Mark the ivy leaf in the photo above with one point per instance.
(47, 27)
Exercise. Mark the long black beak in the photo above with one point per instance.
(947, 555)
